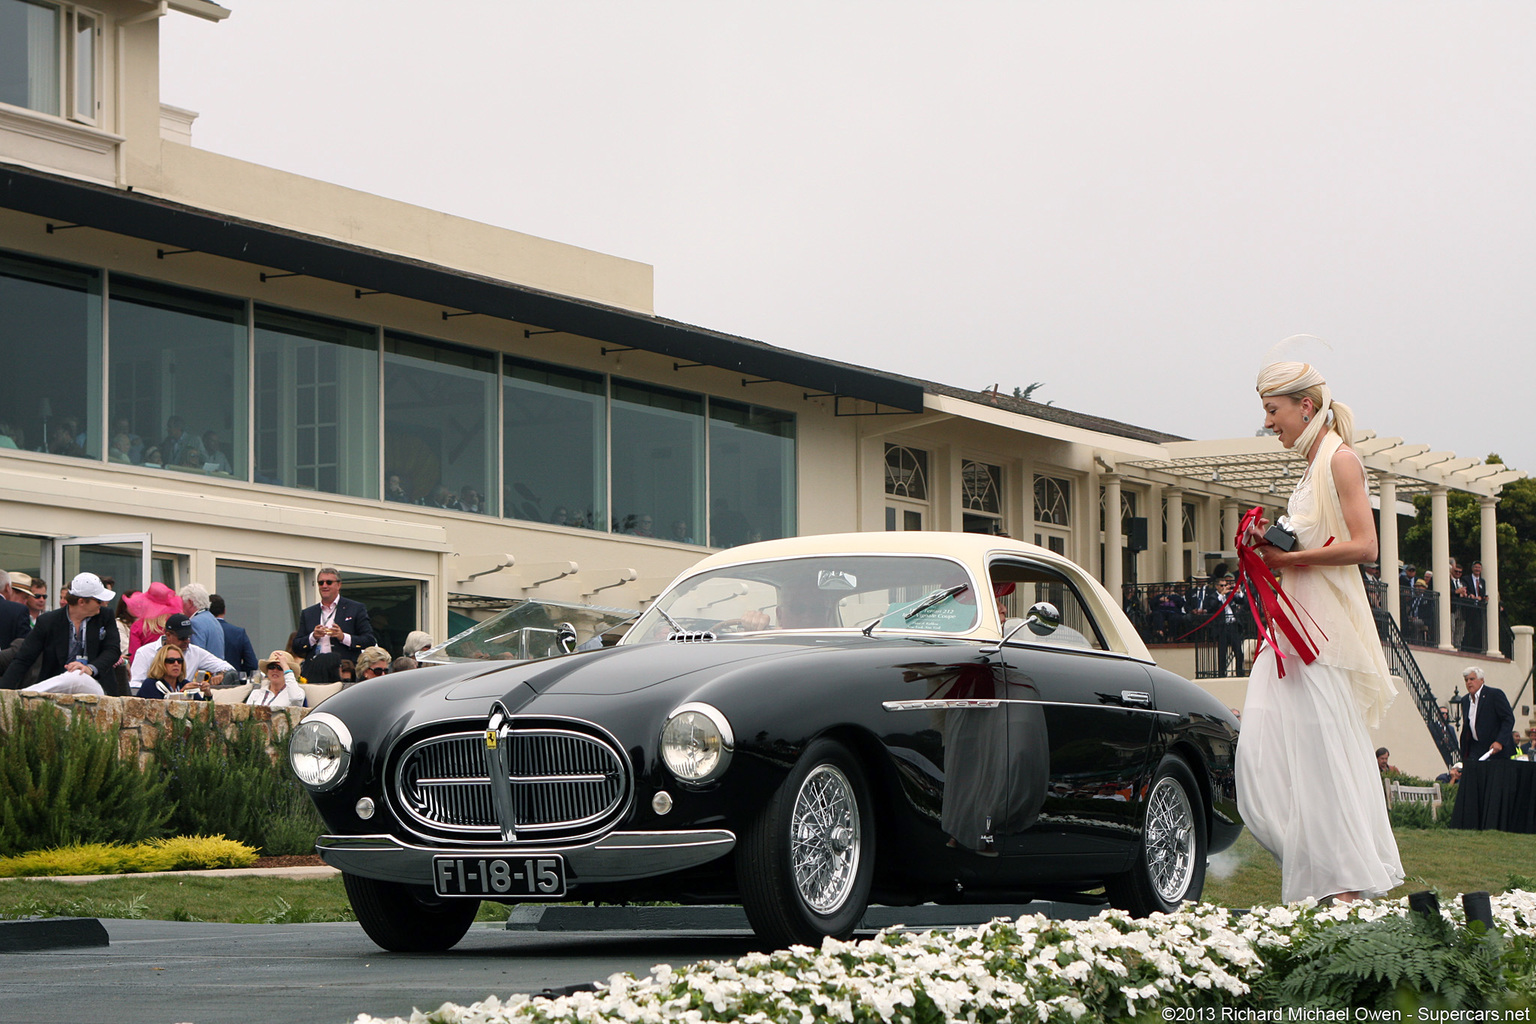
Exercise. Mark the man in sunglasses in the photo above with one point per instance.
(178, 633)
(336, 625)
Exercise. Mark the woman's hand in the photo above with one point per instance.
(1255, 534)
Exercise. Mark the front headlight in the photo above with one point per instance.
(320, 750)
(696, 743)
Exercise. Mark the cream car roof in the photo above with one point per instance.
(973, 549)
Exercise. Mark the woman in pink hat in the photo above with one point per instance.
(151, 607)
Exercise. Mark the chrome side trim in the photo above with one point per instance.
(617, 857)
(940, 705)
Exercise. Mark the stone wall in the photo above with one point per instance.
(141, 723)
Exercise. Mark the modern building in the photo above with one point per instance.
(223, 372)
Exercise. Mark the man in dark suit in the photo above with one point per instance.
(1486, 719)
(237, 643)
(80, 638)
(15, 620)
(337, 625)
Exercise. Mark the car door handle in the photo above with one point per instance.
(1137, 698)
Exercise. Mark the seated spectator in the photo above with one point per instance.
(280, 683)
(135, 442)
(394, 491)
(178, 634)
(75, 645)
(416, 641)
(7, 436)
(471, 500)
(152, 458)
(402, 664)
(442, 497)
(1528, 748)
(214, 460)
(174, 447)
(1452, 777)
(167, 675)
(151, 607)
(118, 452)
(372, 663)
(191, 457)
(346, 672)
(1383, 757)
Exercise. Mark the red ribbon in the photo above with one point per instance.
(1255, 577)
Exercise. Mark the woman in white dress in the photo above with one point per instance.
(1307, 783)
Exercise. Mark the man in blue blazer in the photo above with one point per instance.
(337, 625)
(237, 643)
(1487, 721)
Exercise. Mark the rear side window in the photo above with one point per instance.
(1033, 583)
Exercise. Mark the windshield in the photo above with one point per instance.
(901, 592)
(526, 631)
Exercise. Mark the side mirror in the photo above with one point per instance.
(1043, 620)
(565, 636)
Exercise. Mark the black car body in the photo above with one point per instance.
(801, 726)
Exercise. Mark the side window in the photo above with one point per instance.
(1032, 584)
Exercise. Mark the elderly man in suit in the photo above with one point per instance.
(337, 625)
(77, 644)
(1486, 717)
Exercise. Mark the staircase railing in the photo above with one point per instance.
(1400, 660)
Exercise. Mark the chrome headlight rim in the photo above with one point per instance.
(721, 725)
(343, 738)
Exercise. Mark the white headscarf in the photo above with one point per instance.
(1284, 379)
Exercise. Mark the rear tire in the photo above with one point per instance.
(400, 920)
(806, 863)
(1170, 862)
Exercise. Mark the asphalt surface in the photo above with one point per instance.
(164, 972)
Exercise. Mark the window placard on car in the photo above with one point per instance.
(499, 876)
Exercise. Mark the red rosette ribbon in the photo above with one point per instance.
(1272, 610)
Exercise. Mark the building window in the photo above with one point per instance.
(1053, 501)
(658, 459)
(906, 472)
(751, 475)
(317, 404)
(439, 425)
(555, 427)
(49, 57)
(264, 601)
(178, 378)
(981, 497)
(50, 335)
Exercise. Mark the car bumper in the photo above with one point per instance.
(617, 857)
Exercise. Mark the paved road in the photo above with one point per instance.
(162, 972)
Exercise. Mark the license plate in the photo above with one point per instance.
(499, 876)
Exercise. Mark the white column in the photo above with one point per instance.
(1440, 557)
(1173, 556)
(1231, 515)
(1490, 531)
(1387, 542)
(1152, 559)
(1114, 541)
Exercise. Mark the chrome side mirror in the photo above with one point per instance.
(565, 636)
(1043, 618)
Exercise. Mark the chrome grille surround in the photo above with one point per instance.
(570, 781)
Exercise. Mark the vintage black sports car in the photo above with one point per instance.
(802, 726)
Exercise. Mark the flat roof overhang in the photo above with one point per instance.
(159, 220)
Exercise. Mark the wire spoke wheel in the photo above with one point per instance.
(1170, 840)
(825, 839)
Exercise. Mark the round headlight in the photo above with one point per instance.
(696, 743)
(320, 750)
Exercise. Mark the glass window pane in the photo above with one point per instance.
(658, 459)
(29, 55)
(556, 445)
(178, 376)
(439, 425)
(751, 475)
(317, 397)
(50, 346)
(264, 602)
(85, 67)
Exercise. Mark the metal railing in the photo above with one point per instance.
(1173, 612)
(1402, 664)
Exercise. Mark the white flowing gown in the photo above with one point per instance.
(1308, 786)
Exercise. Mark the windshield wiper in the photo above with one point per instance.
(670, 620)
(933, 599)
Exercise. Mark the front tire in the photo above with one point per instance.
(1170, 862)
(400, 920)
(806, 863)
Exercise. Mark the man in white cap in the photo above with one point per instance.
(78, 643)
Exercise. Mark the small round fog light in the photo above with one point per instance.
(365, 807)
(661, 803)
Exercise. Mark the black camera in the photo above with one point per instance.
(1280, 534)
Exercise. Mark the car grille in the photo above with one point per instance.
(565, 783)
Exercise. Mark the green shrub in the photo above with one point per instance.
(62, 783)
(1417, 815)
(232, 787)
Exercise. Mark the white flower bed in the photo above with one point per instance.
(1032, 969)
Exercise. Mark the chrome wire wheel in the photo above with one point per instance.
(1170, 840)
(825, 839)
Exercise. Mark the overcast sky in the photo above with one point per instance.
(1130, 202)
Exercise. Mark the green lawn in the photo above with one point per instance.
(1449, 862)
